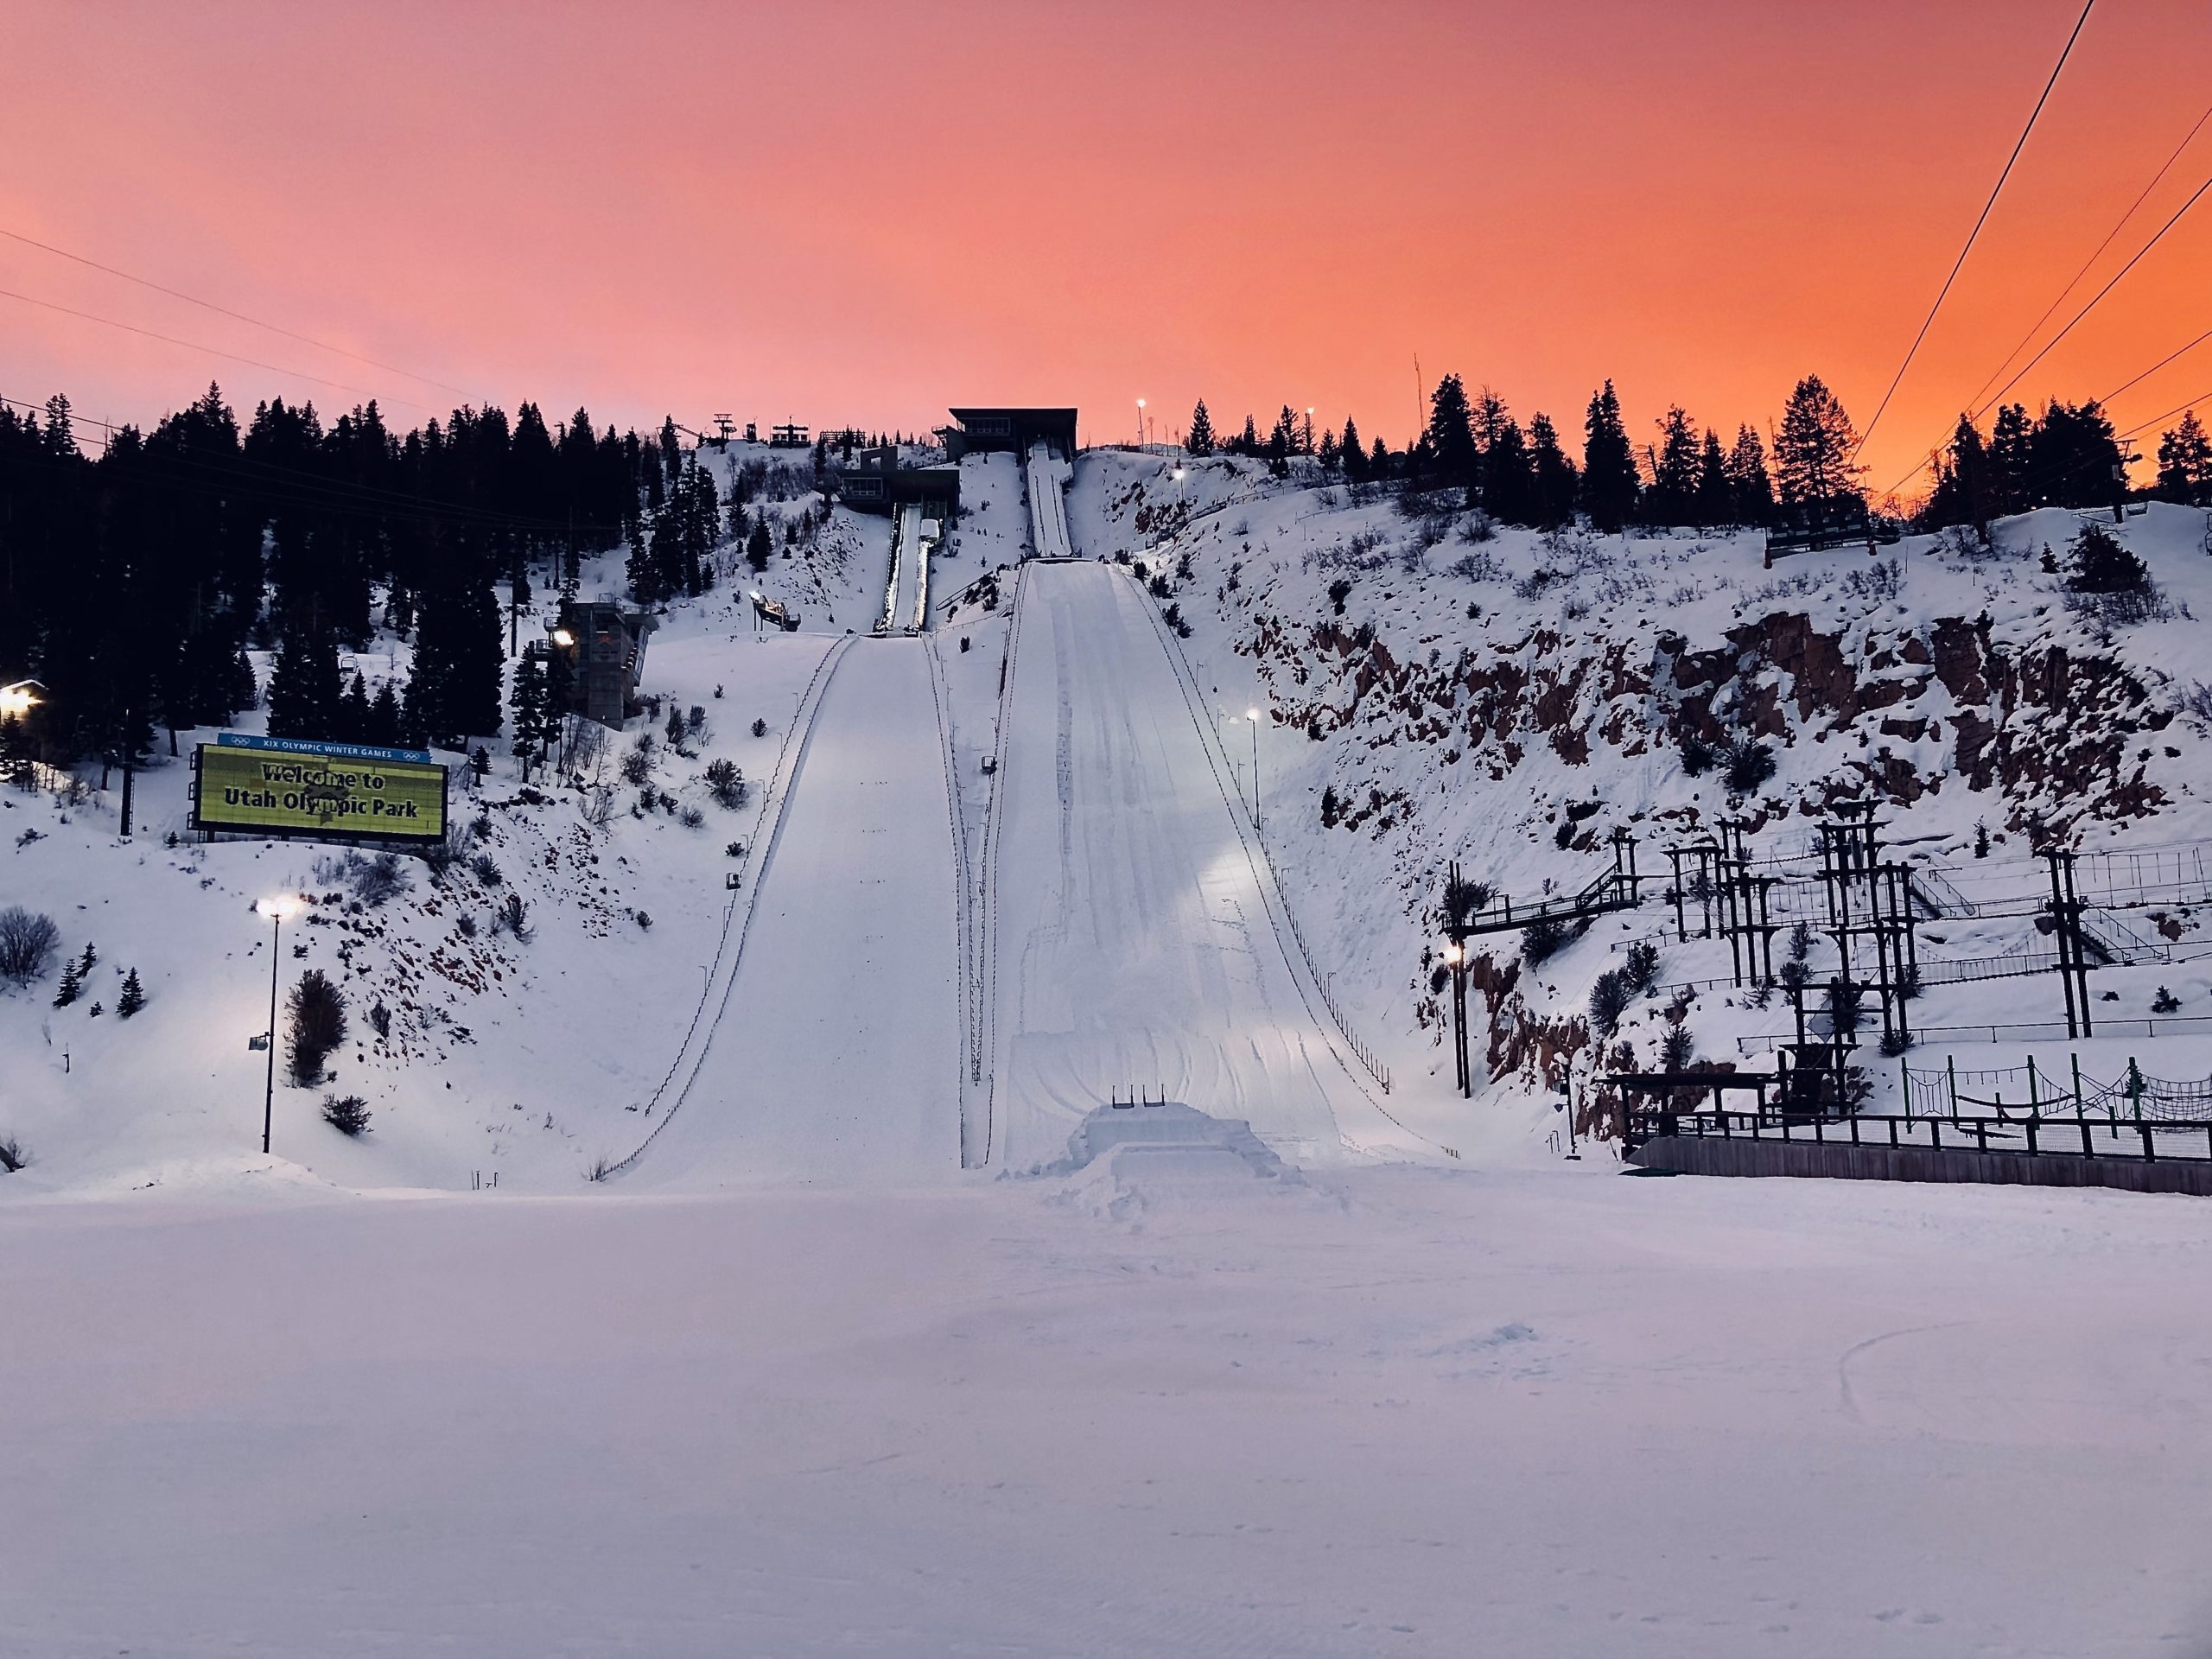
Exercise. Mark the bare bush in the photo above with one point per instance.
(27, 941)
(347, 1114)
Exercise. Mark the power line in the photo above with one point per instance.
(2098, 253)
(2098, 296)
(213, 351)
(1972, 235)
(2156, 366)
(224, 310)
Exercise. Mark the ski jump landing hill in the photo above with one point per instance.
(1130, 938)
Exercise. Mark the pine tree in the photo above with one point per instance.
(1814, 464)
(133, 997)
(1673, 497)
(527, 698)
(353, 712)
(1609, 476)
(1355, 458)
(1509, 477)
(2185, 463)
(1327, 453)
(1961, 492)
(1248, 443)
(2010, 439)
(385, 722)
(1751, 490)
(303, 688)
(1554, 482)
(1449, 438)
(1199, 439)
(1716, 501)
(72, 983)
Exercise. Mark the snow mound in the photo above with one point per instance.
(1128, 1162)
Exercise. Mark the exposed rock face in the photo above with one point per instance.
(2056, 734)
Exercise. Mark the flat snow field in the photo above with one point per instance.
(1394, 1410)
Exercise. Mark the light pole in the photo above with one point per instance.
(276, 910)
(1567, 1088)
(1309, 428)
(1455, 958)
(1139, 423)
(1259, 819)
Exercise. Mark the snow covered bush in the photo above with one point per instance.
(2165, 1002)
(27, 941)
(1676, 1049)
(12, 1155)
(1750, 763)
(485, 869)
(133, 997)
(726, 782)
(318, 1009)
(2101, 565)
(347, 1114)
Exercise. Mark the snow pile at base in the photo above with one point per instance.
(1127, 1162)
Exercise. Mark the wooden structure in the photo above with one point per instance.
(790, 435)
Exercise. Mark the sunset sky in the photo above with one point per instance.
(862, 213)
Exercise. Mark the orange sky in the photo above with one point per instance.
(857, 213)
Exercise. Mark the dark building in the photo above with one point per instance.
(606, 648)
(977, 432)
(873, 482)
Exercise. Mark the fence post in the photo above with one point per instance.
(2135, 1089)
(2035, 1106)
(2075, 1060)
(1904, 1083)
(1951, 1070)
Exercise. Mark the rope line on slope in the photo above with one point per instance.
(1179, 669)
(794, 745)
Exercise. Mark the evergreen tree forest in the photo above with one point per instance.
(134, 575)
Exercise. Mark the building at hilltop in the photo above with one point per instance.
(977, 432)
(873, 482)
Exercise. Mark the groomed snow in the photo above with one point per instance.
(1386, 1411)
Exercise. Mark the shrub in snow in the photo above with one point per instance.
(1609, 1000)
(12, 1155)
(1542, 939)
(1844, 997)
(318, 1009)
(1750, 763)
(695, 719)
(465, 924)
(347, 1114)
(2165, 1001)
(1697, 755)
(760, 726)
(513, 916)
(1895, 1043)
(133, 997)
(638, 762)
(2101, 565)
(27, 941)
(1676, 1049)
(1642, 966)
(485, 870)
(1339, 591)
(72, 983)
(375, 881)
(726, 782)
(675, 725)
(691, 817)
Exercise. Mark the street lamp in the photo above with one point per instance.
(1140, 422)
(1259, 822)
(1309, 428)
(276, 910)
(1567, 1089)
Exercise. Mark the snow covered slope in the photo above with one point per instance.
(837, 1053)
(1134, 947)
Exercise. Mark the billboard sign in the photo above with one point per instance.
(334, 791)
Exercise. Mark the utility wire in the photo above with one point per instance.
(224, 310)
(1974, 234)
(2156, 366)
(2098, 253)
(2194, 197)
(194, 346)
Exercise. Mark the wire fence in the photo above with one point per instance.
(2024, 1090)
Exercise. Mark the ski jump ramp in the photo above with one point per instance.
(1133, 940)
(837, 1053)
